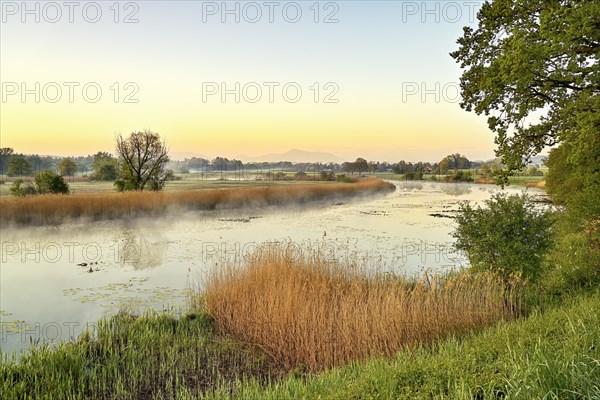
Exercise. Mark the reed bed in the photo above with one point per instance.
(56, 209)
(313, 313)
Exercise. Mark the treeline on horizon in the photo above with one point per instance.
(104, 166)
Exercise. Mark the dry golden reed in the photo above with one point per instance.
(55, 209)
(313, 313)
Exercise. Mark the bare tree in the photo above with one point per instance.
(143, 157)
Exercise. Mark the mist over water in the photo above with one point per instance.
(54, 280)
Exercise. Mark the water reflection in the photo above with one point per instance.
(410, 185)
(457, 189)
(139, 252)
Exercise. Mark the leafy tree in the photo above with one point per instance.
(361, 165)
(104, 167)
(83, 167)
(36, 162)
(222, 163)
(144, 159)
(372, 167)
(531, 66)
(511, 235)
(19, 166)
(444, 166)
(349, 167)
(562, 181)
(5, 154)
(534, 171)
(400, 167)
(196, 163)
(454, 161)
(48, 182)
(485, 169)
(67, 167)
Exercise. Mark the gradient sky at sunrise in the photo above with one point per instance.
(374, 53)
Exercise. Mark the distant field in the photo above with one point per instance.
(213, 180)
(187, 181)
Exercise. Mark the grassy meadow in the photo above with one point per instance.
(212, 180)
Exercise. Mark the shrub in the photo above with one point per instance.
(327, 176)
(510, 236)
(575, 262)
(107, 171)
(459, 176)
(22, 188)
(345, 179)
(413, 176)
(48, 182)
(300, 175)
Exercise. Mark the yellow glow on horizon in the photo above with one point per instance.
(419, 131)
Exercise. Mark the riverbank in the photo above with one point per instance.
(551, 354)
(57, 209)
(278, 318)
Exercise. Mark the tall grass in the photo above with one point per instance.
(156, 356)
(549, 355)
(314, 313)
(55, 209)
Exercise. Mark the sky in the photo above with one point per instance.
(370, 79)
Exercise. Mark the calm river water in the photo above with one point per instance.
(151, 264)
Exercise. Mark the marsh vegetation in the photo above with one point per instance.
(56, 209)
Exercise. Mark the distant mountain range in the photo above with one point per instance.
(294, 155)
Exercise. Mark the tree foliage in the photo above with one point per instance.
(5, 154)
(48, 182)
(143, 162)
(444, 165)
(104, 167)
(454, 161)
(360, 165)
(19, 166)
(509, 236)
(67, 167)
(531, 66)
(21, 188)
